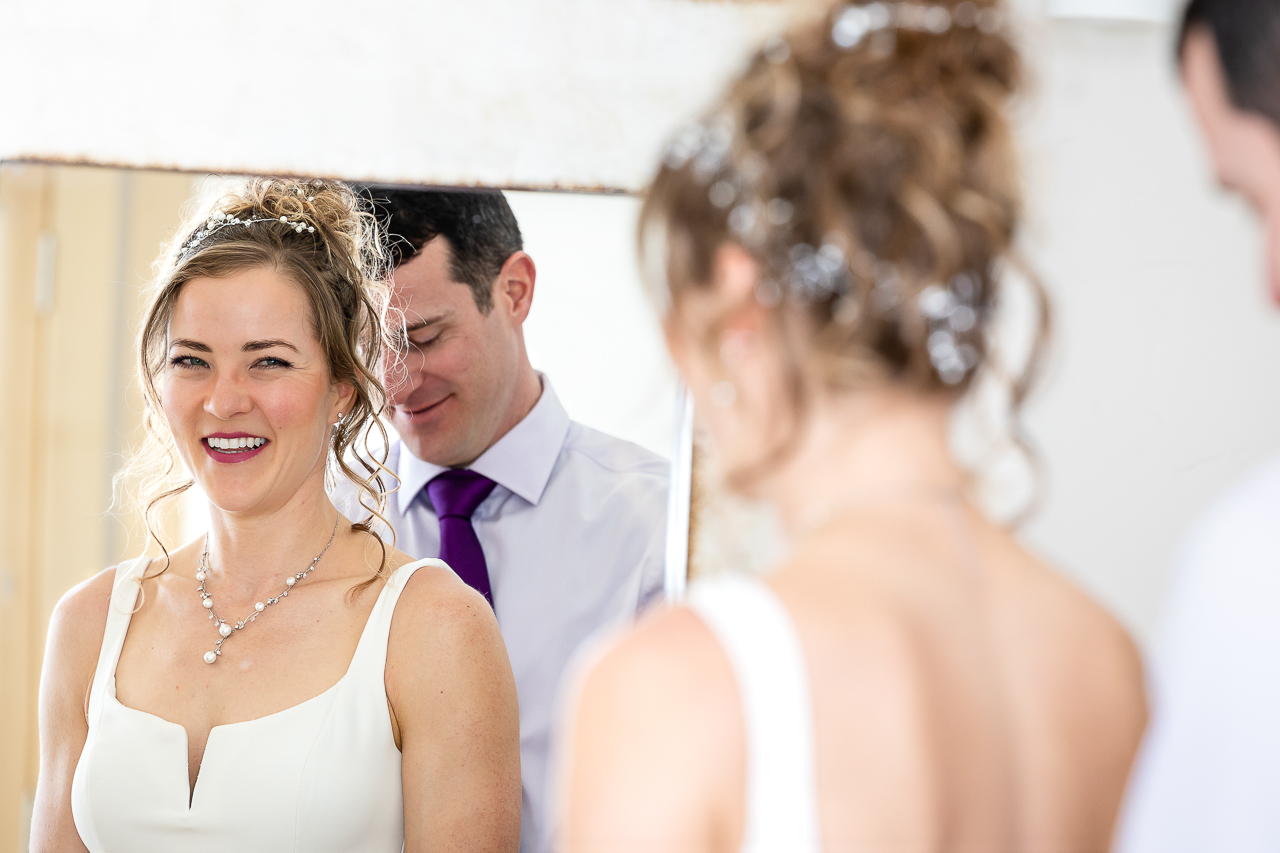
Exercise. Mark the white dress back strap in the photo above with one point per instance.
(760, 640)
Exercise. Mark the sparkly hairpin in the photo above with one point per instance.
(219, 220)
(805, 272)
(735, 182)
(951, 310)
(856, 21)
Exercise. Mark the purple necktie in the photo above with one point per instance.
(455, 494)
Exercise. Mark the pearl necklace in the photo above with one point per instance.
(226, 629)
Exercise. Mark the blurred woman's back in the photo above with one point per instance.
(964, 696)
(826, 250)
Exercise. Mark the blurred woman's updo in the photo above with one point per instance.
(322, 238)
(867, 163)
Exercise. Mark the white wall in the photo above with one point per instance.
(1166, 377)
(591, 330)
(512, 93)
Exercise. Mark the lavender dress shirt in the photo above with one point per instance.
(574, 536)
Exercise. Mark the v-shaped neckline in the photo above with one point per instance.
(194, 785)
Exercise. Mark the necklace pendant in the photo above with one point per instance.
(224, 628)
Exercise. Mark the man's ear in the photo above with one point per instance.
(514, 286)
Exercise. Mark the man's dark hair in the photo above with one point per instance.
(478, 225)
(1247, 33)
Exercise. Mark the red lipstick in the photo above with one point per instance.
(228, 454)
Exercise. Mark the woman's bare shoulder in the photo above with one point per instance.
(437, 614)
(667, 676)
(1040, 594)
(661, 697)
(668, 644)
(85, 604)
(445, 654)
(1079, 650)
(78, 622)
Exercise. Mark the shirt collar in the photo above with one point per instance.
(520, 461)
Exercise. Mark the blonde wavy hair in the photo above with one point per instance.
(899, 152)
(339, 261)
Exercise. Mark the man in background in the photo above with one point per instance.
(560, 527)
(1208, 775)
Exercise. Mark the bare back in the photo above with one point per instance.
(965, 696)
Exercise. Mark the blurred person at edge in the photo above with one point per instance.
(251, 690)
(1208, 774)
(565, 525)
(825, 251)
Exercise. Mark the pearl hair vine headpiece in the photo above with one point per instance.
(951, 311)
(219, 220)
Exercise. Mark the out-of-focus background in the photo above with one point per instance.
(1162, 387)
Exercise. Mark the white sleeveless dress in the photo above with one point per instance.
(768, 663)
(321, 776)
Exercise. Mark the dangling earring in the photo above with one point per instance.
(338, 422)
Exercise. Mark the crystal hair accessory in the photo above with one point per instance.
(736, 181)
(951, 311)
(817, 273)
(856, 21)
(219, 220)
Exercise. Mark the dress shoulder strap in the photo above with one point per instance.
(371, 651)
(760, 640)
(124, 600)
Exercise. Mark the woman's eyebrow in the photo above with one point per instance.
(190, 344)
(255, 346)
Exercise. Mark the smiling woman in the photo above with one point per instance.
(313, 237)
(258, 367)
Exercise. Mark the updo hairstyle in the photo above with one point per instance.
(323, 239)
(870, 170)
